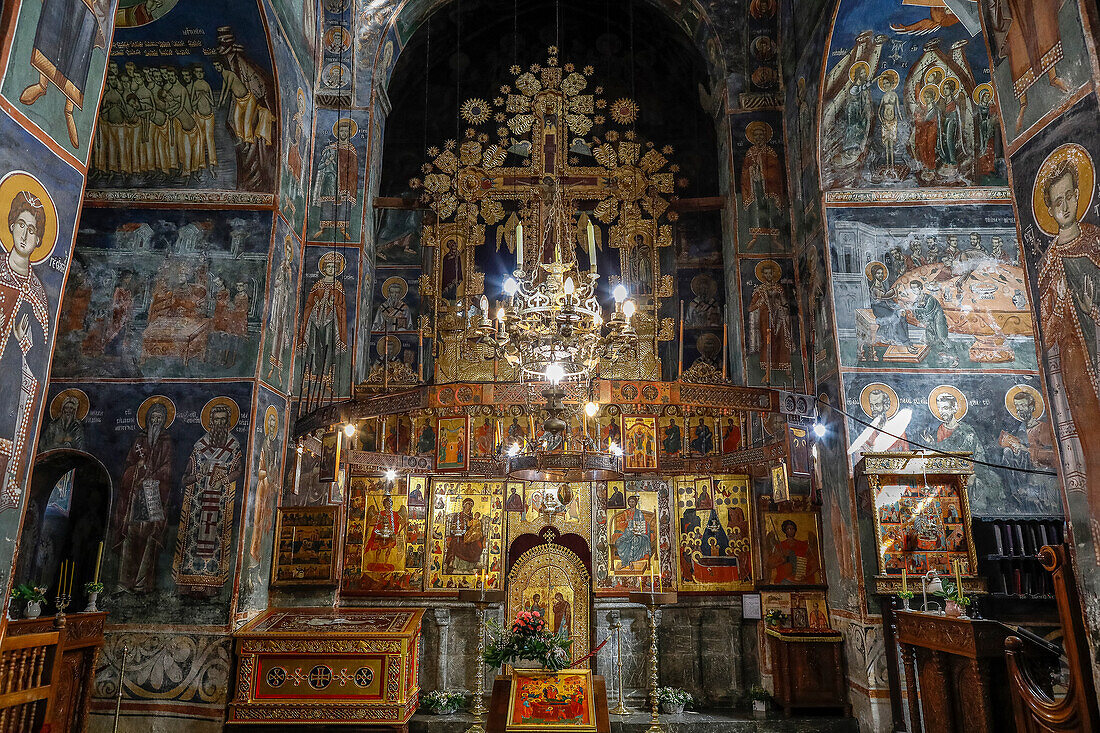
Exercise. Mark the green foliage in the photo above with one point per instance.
(756, 692)
(93, 587)
(27, 592)
(444, 699)
(775, 617)
(673, 697)
(527, 639)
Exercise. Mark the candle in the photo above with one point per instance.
(904, 581)
(98, 561)
(61, 578)
(958, 579)
(519, 246)
(591, 247)
(69, 591)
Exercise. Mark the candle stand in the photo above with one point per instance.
(481, 599)
(653, 600)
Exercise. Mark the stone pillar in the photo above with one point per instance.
(443, 623)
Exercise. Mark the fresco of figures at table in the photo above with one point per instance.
(773, 343)
(1040, 59)
(1003, 419)
(178, 458)
(930, 287)
(326, 320)
(907, 100)
(38, 198)
(55, 67)
(296, 99)
(802, 141)
(189, 103)
(269, 436)
(760, 185)
(1056, 191)
(164, 293)
(282, 295)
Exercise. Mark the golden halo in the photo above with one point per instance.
(1086, 178)
(388, 346)
(59, 401)
(345, 121)
(977, 95)
(953, 80)
(935, 89)
(700, 282)
(760, 270)
(955, 392)
(1018, 389)
(888, 78)
(395, 279)
(752, 127)
(156, 399)
(271, 410)
(872, 265)
(328, 257)
(934, 70)
(852, 71)
(865, 398)
(234, 412)
(11, 185)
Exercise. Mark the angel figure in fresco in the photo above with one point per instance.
(465, 536)
(770, 335)
(336, 181)
(631, 535)
(1029, 35)
(762, 193)
(68, 31)
(791, 561)
(386, 530)
(29, 213)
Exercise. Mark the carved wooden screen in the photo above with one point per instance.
(553, 580)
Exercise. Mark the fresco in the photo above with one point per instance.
(38, 195)
(279, 332)
(269, 436)
(298, 19)
(206, 120)
(763, 224)
(165, 293)
(336, 74)
(816, 300)
(1001, 418)
(1056, 192)
(840, 555)
(1039, 59)
(296, 98)
(773, 346)
(326, 321)
(801, 127)
(55, 68)
(907, 100)
(335, 194)
(175, 451)
(930, 287)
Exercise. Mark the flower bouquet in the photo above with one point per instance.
(527, 639)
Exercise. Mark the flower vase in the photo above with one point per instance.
(671, 708)
(91, 607)
(527, 664)
(33, 609)
(952, 609)
(905, 604)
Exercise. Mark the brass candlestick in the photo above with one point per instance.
(617, 627)
(653, 600)
(61, 602)
(481, 599)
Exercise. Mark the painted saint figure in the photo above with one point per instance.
(202, 560)
(929, 314)
(631, 538)
(386, 540)
(336, 181)
(324, 331)
(1027, 442)
(141, 508)
(268, 488)
(770, 335)
(791, 561)
(465, 536)
(762, 193)
(280, 322)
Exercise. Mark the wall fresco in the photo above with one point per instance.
(926, 287)
(206, 120)
(326, 323)
(299, 22)
(773, 345)
(907, 100)
(282, 295)
(55, 68)
(296, 98)
(760, 184)
(336, 191)
(165, 293)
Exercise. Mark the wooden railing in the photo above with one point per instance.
(26, 676)
(1035, 709)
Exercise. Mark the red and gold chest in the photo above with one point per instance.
(325, 665)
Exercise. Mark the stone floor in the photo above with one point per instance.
(689, 722)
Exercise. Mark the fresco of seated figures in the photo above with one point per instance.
(907, 100)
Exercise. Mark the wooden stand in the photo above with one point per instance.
(959, 666)
(498, 706)
(49, 671)
(808, 669)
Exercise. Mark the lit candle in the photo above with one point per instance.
(98, 561)
(904, 581)
(591, 247)
(519, 246)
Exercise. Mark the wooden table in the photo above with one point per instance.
(958, 667)
(350, 666)
(808, 669)
(497, 721)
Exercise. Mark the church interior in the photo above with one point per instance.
(474, 366)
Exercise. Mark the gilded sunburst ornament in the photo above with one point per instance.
(475, 111)
(624, 111)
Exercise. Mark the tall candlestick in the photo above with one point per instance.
(904, 581)
(98, 561)
(680, 362)
(958, 579)
(519, 246)
(725, 348)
